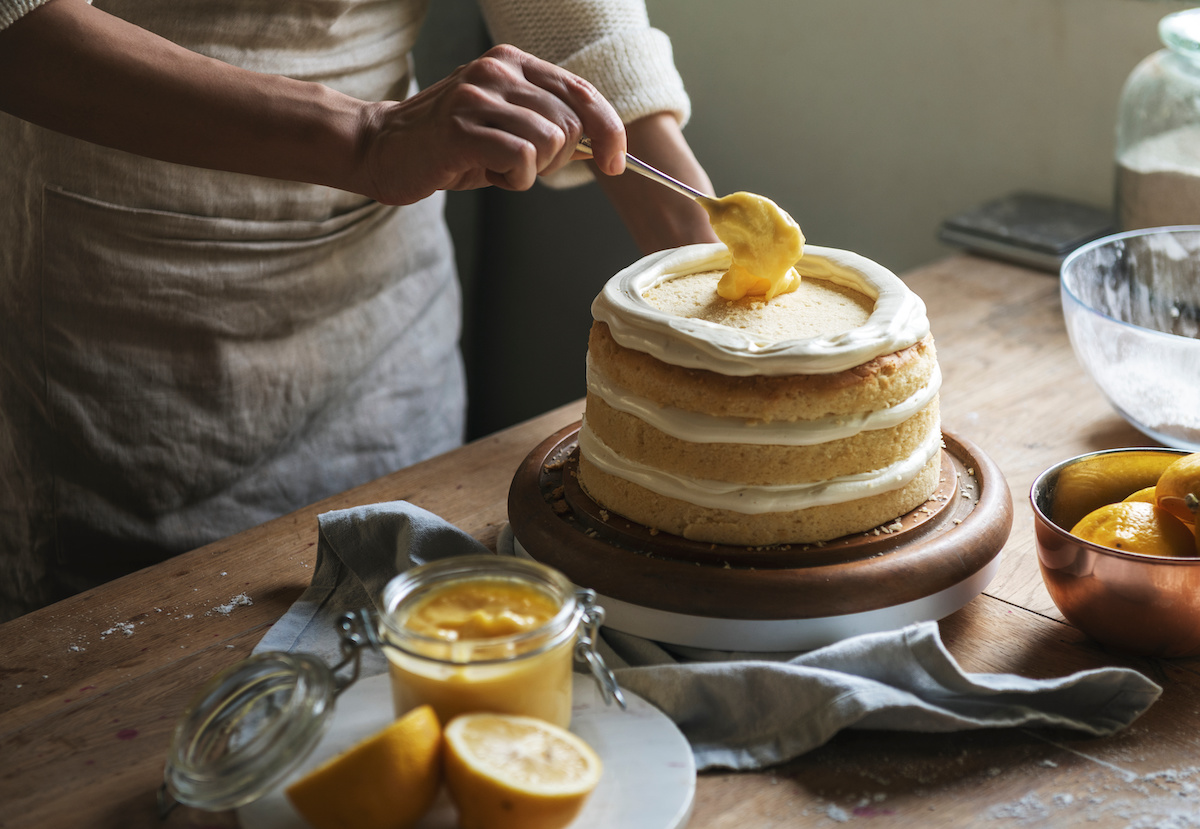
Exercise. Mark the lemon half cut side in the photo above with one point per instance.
(511, 772)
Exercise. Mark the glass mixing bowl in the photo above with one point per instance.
(1131, 302)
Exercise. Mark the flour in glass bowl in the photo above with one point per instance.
(1132, 309)
(1142, 382)
(1158, 181)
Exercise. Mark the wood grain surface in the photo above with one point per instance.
(90, 688)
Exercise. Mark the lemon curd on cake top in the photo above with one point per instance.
(749, 422)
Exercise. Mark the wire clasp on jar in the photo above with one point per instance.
(357, 629)
(585, 647)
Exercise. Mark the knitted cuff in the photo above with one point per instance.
(635, 71)
(13, 10)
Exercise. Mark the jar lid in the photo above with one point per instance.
(1181, 32)
(248, 728)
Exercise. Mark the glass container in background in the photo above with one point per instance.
(1131, 303)
(1158, 132)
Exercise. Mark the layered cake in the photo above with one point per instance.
(800, 419)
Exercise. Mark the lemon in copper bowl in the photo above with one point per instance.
(1125, 572)
(1131, 302)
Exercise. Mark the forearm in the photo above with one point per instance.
(657, 217)
(75, 69)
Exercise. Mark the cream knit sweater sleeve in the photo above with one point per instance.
(608, 42)
(13, 10)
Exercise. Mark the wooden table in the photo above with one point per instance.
(90, 688)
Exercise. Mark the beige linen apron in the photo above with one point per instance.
(185, 353)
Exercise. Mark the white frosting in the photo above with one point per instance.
(756, 500)
(897, 321)
(696, 427)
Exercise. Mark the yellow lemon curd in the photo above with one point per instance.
(484, 644)
(764, 242)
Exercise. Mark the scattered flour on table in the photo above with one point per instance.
(836, 813)
(82, 640)
(1168, 799)
(1104, 795)
(1028, 808)
(120, 627)
(240, 600)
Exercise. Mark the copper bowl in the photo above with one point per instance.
(1141, 604)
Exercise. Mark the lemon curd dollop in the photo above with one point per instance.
(481, 609)
(764, 241)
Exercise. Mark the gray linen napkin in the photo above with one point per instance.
(737, 711)
(359, 550)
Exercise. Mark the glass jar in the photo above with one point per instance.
(525, 670)
(247, 729)
(1158, 131)
(253, 724)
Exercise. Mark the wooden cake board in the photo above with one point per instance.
(924, 565)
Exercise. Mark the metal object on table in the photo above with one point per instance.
(1142, 604)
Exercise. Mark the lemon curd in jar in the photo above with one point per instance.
(496, 635)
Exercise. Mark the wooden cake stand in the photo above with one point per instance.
(924, 565)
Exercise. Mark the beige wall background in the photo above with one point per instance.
(869, 120)
(872, 120)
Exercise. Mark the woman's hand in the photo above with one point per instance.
(500, 120)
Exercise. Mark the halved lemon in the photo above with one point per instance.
(387, 781)
(510, 772)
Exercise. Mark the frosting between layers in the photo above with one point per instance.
(897, 321)
(757, 500)
(696, 427)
